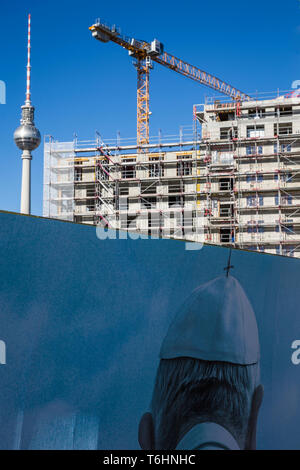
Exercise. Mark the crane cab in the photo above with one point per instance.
(156, 48)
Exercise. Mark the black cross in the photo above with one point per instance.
(229, 266)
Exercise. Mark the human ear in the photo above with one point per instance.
(257, 398)
(146, 432)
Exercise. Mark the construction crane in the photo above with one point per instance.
(143, 53)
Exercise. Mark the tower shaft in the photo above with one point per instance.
(25, 207)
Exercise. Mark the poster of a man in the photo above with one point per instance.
(201, 358)
(207, 392)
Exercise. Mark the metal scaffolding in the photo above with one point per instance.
(233, 190)
(235, 175)
(59, 179)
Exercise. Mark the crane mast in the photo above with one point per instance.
(142, 103)
(143, 53)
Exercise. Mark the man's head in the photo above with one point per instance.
(189, 391)
(209, 369)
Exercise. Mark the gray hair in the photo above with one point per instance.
(188, 391)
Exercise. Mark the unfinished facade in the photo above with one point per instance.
(234, 181)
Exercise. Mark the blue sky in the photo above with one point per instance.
(81, 85)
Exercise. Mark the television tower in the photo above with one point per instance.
(27, 137)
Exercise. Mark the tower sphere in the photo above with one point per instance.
(27, 137)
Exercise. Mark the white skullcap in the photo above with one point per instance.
(217, 323)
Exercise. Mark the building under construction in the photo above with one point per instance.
(233, 179)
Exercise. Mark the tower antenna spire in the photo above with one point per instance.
(27, 137)
(28, 101)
